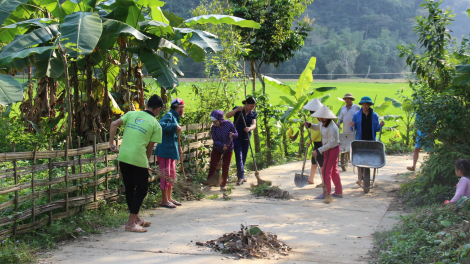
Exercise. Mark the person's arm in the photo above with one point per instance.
(217, 142)
(150, 149)
(112, 133)
(333, 139)
(234, 131)
(233, 112)
(353, 124)
(312, 126)
(461, 187)
(340, 118)
(167, 124)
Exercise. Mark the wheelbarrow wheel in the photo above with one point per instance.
(366, 180)
(344, 161)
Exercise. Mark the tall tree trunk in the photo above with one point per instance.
(68, 95)
(253, 81)
(76, 96)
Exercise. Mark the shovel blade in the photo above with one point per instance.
(300, 180)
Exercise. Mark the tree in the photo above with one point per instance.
(274, 43)
(347, 59)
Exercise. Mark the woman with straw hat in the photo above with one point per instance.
(330, 150)
(315, 137)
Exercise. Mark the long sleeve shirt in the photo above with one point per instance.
(463, 189)
(329, 135)
(220, 136)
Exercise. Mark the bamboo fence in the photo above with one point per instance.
(38, 187)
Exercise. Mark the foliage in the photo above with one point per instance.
(406, 104)
(432, 235)
(394, 146)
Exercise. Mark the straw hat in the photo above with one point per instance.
(324, 112)
(313, 105)
(349, 95)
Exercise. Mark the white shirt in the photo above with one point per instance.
(346, 116)
(329, 135)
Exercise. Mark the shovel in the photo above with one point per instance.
(300, 180)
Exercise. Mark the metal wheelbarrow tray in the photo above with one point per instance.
(368, 154)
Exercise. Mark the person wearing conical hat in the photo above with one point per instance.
(315, 137)
(366, 124)
(330, 150)
(346, 113)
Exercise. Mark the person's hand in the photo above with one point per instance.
(178, 128)
(181, 151)
(447, 201)
(240, 108)
(382, 123)
(113, 147)
(231, 135)
(225, 147)
(247, 129)
(338, 124)
(315, 154)
(306, 124)
(351, 123)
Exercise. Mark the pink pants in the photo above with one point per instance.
(330, 170)
(167, 168)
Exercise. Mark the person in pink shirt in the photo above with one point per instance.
(462, 170)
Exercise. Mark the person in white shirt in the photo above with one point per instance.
(346, 113)
(330, 150)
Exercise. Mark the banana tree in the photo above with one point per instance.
(297, 98)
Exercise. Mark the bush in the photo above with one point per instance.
(397, 147)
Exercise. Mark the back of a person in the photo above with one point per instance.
(465, 181)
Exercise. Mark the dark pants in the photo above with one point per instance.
(241, 151)
(136, 181)
(215, 157)
(317, 145)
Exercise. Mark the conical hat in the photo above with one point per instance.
(313, 105)
(324, 112)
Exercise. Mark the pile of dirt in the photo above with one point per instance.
(269, 191)
(187, 191)
(249, 242)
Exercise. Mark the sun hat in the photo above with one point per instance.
(349, 95)
(177, 101)
(313, 105)
(324, 112)
(366, 100)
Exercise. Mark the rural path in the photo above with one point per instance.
(340, 232)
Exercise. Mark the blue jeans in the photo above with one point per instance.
(240, 149)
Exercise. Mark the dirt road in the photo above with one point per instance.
(340, 232)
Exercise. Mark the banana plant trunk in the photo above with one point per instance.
(67, 87)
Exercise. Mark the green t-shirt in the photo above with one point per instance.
(140, 129)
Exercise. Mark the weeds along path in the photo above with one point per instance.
(340, 232)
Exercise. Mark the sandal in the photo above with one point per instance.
(337, 195)
(411, 168)
(168, 205)
(146, 224)
(309, 182)
(240, 182)
(321, 196)
(137, 229)
(319, 186)
(176, 203)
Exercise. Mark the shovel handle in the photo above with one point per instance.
(380, 134)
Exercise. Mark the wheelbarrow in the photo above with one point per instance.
(366, 155)
(345, 140)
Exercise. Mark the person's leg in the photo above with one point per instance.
(415, 158)
(335, 172)
(327, 170)
(128, 181)
(225, 168)
(164, 165)
(215, 157)
(237, 149)
(245, 149)
(172, 165)
(141, 181)
(313, 169)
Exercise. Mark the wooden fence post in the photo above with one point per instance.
(50, 179)
(117, 165)
(67, 174)
(32, 180)
(80, 170)
(94, 172)
(15, 173)
(107, 163)
(74, 182)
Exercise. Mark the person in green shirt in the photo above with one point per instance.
(141, 132)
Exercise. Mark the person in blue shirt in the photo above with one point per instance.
(366, 124)
(242, 143)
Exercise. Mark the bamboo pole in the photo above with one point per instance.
(80, 167)
(118, 170)
(74, 182)
(32, 181)
(94, 172)
(50, 179)
(16, 193)
(106, 160)
(67, 174)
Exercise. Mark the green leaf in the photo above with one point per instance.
(445, 223)
(36, 127)
(33, 38)
(222, 19)
(114, 105)
(10, 90)
(22, 54)
(254, 230)
(286, 114)
(7, 6)
(279, 85)
(155, 43)
(112, 72)
(112, 29)
(287, 100)
(380, 110)
(301, 102)
(325, 98)
(157, 66)
(157, 15)
(40, 22)
(156, 27)
(407, 106)
(306, 78)
(395, 102)
(321, 90)
(462, 200)
(210, 43)
(196, 53)
(83, 30)
(175, 20)
(392, 117)
(71, 7)
(53, 6)
(463, 68)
